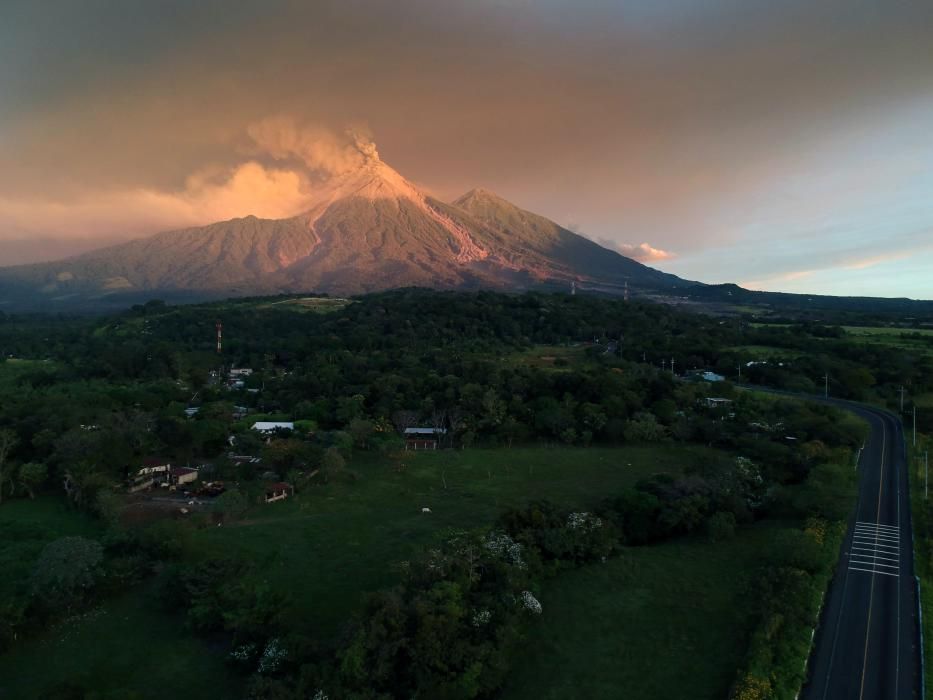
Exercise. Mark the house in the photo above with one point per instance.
(182, 475)
(423, 438)
(705, 376)
(269, 427)
(711, 402)
(141, 483)
(154, 465)
(243, 459)
(278, 491)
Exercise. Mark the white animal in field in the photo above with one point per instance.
(425, 510)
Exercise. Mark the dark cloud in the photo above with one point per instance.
(640, 120)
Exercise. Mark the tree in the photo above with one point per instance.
(333, 462)
(66, 571)
(8, 441)
(231, 504)
(31, 476)
(361, 430)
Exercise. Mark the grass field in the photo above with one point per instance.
(556, 357)
(666, 621)
(326, 548)
(893, 337)
(126, 649)
(333, 543)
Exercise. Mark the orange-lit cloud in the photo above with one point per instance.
(642, 252)
(208, 195)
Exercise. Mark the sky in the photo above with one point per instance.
(783, 145)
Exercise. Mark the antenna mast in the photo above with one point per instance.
(220, 328)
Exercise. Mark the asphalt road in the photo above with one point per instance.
(867, 646)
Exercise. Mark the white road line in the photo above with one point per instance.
(872, 542)
(882, 531)
(879, 535)
(868, 522)
(876, 563)
(873, 556)
(880, 528)
(886, 533)
(879, 542)
(872, 571)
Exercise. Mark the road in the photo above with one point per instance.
(867, 646)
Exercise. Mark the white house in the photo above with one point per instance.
(183, 475)
(268, 427)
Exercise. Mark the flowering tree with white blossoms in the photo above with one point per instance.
(530, 603)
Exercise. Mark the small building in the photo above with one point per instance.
(705, 376)
(711, 402)
(278, 491)
(192, 411)
(243, 459)
(182, 475)
(423, 438)
(154, 465)
(242, 372)
(141, 483)
(269, 427)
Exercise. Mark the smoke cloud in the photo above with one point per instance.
(287, 159)
(321, 150)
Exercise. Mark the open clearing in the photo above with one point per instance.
(663, 621)
(333, 543)
(327, 548)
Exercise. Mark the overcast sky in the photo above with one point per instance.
(780, 145)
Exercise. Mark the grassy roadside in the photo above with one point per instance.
(921, 511)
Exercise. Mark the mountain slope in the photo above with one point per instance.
(365, 230)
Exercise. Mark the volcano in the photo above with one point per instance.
(364, 230)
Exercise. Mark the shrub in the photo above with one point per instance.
(66, 572)
(721, 527)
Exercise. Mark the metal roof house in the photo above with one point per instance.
(422, 438)
(271, 426)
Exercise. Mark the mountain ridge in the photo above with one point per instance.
(364, 230)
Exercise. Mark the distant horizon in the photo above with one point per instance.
(783, 147)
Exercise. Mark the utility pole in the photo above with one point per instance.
(672, 366)
(915, 425)
(740, 371)
(826, 387)
(902, 399)
(926, 475)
